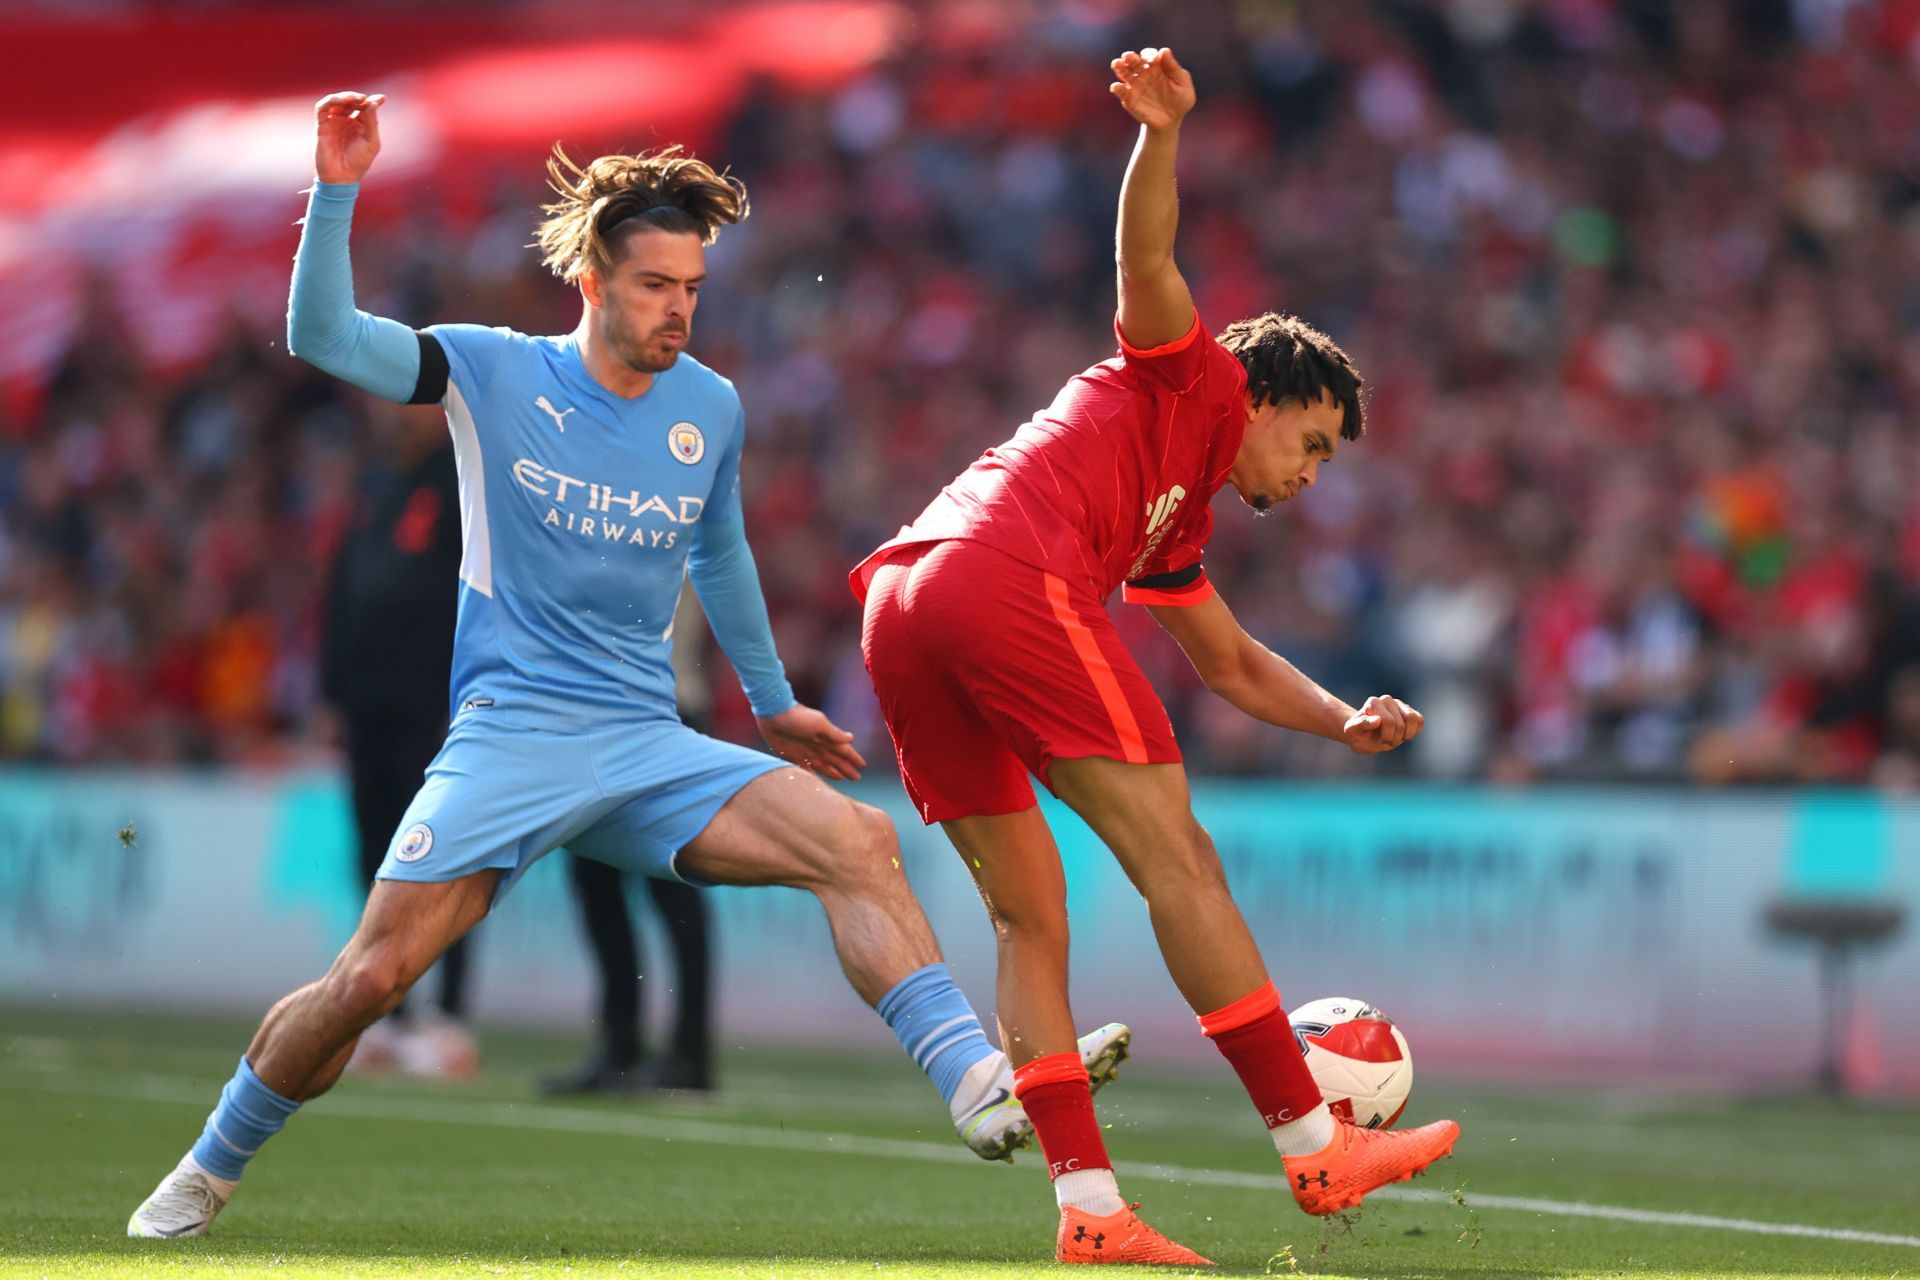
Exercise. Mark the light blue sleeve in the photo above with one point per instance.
(728, 584)
(323, 328)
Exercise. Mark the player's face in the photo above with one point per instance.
(1281, 453)
(645, 303)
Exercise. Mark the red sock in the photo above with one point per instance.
(1054, 1091)
(1258, 1040)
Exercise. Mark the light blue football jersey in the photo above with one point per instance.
(580, 511)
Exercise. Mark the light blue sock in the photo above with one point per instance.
(936, 1026)
(249, 1113)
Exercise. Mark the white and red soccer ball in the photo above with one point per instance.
(1358, 1057)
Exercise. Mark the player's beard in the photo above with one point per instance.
(648, 355)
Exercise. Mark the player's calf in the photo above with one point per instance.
(304, 1042)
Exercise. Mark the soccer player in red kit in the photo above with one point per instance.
(987, 638)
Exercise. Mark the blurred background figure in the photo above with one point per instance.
(621, 1062)
(1640, 339)
(386, 662)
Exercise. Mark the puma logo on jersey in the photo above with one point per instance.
(559, 416)
(1159, 519)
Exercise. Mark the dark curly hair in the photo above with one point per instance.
(1289, 359)
(667, 190)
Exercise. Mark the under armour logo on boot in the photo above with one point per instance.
(1080, 1234)
(1305, 1180)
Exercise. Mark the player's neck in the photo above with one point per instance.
(616, 375)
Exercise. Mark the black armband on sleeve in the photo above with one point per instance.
(1169, 581)
(431, 386)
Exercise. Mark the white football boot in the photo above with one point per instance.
(991, 1121)
(184, 1204)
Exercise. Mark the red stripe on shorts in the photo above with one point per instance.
(1132, 746)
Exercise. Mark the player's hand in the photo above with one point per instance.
(1155, 89)
(1381, 725)
(810, 740)
(346, 130)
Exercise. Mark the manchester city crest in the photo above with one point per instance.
(415, 844)
(687, 443)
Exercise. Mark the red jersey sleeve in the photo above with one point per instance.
(1177, 364)
(1175, 575)
(1182, 588)
(1194, 365)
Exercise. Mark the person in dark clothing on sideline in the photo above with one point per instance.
(386, 667)
(620, 1062)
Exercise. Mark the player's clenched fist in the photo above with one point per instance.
(346, 135)
(1155, 89)
(1381, 725)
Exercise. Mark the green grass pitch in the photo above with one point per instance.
(815, 1164)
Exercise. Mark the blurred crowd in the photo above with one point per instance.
(1635, 287)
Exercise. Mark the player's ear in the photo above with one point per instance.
(590, 287)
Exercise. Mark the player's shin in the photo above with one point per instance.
(1254, 1035)
(1054, 1091)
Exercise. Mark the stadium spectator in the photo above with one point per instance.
(1634, 284)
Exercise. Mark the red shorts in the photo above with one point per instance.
(989, 669)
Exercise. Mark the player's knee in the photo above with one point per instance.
(1032, 928)
(370, 985)
(872, 845)
(1189, 866)
(855, 851)
(1034, 919)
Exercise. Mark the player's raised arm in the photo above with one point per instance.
(1267, 687)
(1155, 305)
(323, 327)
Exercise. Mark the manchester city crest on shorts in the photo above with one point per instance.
(414, 843)
(687, 443)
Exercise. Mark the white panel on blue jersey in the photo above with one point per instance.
(476, 557)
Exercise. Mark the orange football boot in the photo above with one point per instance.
(1119, 1237)
(1361, 1160)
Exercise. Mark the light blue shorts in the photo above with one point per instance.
(501, 795)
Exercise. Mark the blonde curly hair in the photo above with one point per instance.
(667, 190)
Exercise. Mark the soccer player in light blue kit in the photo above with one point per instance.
(596, 471)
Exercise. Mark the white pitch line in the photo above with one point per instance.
(509, 1115)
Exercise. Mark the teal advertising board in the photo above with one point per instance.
(1525, 934)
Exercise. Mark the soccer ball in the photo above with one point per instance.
(1358, 1057)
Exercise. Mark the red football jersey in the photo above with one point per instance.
(1113, 482)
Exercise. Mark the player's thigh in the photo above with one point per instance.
(1015, 864)
(790, 828)
(953, 764)
(1045, 667)
(407, 925)
(497, 797)
(669, 784)
(1144, 814)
